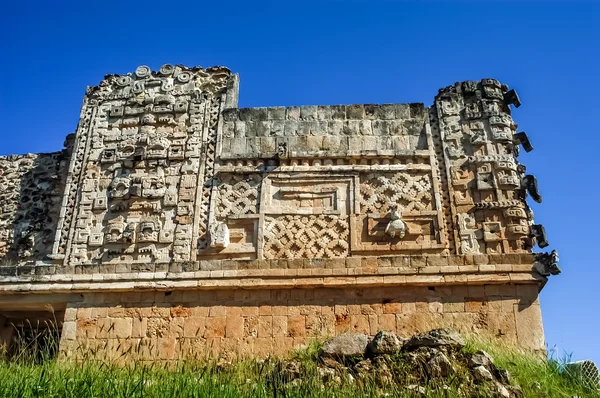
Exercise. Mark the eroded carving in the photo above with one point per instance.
(396, 227)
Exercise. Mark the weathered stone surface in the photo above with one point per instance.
(440, 365)
(384, 343)
(481, 358)
(435, 338)
(346, 345)
(168, 186)
(482, 374)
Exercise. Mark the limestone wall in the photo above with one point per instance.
(328, 130)
(188, 324)
(169, 190)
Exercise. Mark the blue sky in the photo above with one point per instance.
(330, 52)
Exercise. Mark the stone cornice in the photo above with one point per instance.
(275, 278)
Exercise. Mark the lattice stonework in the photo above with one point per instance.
(299, 236)
(209, 171)
(237, 194)
(411, 191)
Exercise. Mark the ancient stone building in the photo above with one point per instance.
(176, 224)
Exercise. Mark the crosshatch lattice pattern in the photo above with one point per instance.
(238, 194)
(413, 192)
(315, 236)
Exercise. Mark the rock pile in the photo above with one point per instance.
(430, 361)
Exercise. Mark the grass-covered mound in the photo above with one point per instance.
(389, 368)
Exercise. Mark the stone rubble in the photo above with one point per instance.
(434, 357)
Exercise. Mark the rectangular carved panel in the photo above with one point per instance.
(145, 144)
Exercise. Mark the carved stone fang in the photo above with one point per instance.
(523, 139)
(539, 232)
(512, 98)
(530, 184)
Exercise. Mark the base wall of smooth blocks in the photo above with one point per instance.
(254, 323)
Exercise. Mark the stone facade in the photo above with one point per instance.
(176, 223)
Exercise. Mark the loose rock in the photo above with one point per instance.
(331, 363)
(502, 375)
(345, 346)
(435, 338)
(481, 358)
(326, 374)
(417, 388)
(290, 371)
(502, 391)
(440, 365)
(384, 343)
(383, 374)
(482, 374)
(363, 367)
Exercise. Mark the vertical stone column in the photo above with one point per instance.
(485, 191)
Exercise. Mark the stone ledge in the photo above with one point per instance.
(160, 281)
(275, 273)
(401, 263)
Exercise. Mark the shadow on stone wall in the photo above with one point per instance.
(31, 199)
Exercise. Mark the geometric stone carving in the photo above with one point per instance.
(237, 194)
(306, 236)
(467, 232)
(412, 191)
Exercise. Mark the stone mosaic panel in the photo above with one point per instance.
(145, 145)
(297, 236)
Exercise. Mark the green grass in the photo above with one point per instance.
(537, 377)
(33, 374)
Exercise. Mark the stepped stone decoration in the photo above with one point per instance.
(250, 230)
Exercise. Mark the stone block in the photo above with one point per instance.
(481, 259)
(324, 112)
(386, 112)
(215, 326)
(381, 127)
(265, 326)
(417, 110)
(253, 114)
(402, 111)
(292, 113)
(69, 330)
(371, 111)
(529, 327)
(296, 326)
(277, 128)
(351, 128)
(231, 114)
(455, 306)
(291, 128)
(335, 127)
(234, 327)
(194, 327)
(338, 112)
(355, 111)
(276, 113)
(121, 328)
(413, 127)
(372, 144)
(365, 128)
(400, 143)
(308, 113)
